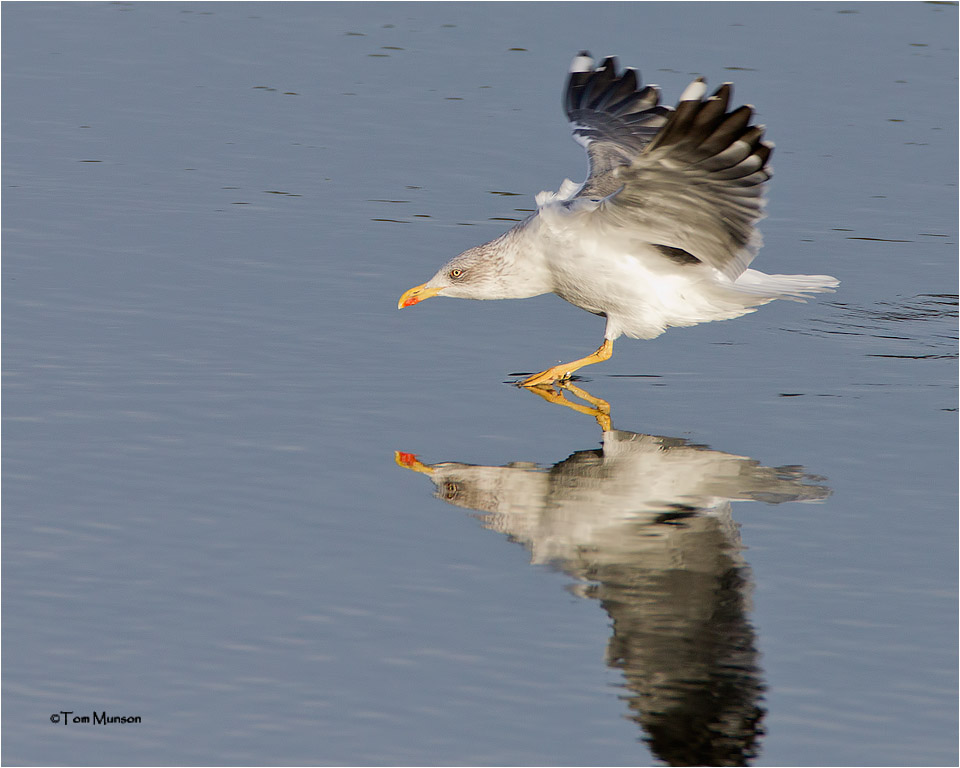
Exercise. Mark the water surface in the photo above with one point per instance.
(209, 212)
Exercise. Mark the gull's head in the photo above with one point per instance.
(474, 274)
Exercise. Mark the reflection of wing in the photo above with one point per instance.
(645, 524)
(682, 639)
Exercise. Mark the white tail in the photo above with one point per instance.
(794, 287)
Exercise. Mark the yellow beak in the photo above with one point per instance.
(409, 461)
(416, 295)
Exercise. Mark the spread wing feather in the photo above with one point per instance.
(689, 178)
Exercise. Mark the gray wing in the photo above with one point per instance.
(690, 179)
(612, 116)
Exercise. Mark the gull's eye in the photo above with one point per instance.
(456, 272)
(450, 490)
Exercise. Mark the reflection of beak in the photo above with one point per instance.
(410, 461)
(415, 295)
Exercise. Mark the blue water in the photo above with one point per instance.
(209, 213)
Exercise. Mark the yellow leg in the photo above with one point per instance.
(602, 406)
(563, 371)
(600, 409)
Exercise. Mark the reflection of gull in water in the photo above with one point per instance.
(644, 522)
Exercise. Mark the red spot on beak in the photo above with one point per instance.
(411, 301)
(406, 458)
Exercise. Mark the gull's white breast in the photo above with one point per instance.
(618, 273)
